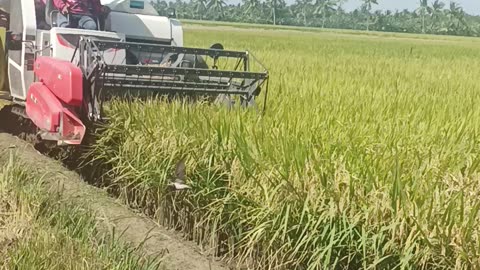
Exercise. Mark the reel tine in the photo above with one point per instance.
(190, 79)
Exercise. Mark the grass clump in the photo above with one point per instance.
(368, 156)
(38, 231)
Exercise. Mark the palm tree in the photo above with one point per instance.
(456, 17)
(324, 7)
(367, 5)
(160, 7)
(199, 8)
(216, 7)
(423, 9)
(436, 12)
(251, 8)
(301, 9)
(272, 5)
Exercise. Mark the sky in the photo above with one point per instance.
(470, 6)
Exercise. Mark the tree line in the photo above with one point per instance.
(430, 17)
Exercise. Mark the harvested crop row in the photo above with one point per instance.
(366, 158)
(40, 231)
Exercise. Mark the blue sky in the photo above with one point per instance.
(470, 6)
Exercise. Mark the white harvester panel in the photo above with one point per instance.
(20, 63)
(177, 33)
(139, 20)
(130, 20)
(131, 6)
(137, 26)
(64, 41)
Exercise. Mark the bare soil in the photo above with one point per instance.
(135, 229)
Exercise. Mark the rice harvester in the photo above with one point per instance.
(59, 78)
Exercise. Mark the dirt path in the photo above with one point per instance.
(130, 227)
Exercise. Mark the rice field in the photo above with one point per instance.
(367, 156)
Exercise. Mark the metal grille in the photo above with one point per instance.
(152, 69)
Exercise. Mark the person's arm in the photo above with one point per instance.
(61, 5)
(97, 6)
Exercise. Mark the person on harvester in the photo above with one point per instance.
(80, 13)
(40, 6)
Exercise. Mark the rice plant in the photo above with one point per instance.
(40, 231)
(367, 156)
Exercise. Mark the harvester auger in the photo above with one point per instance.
(61, 77)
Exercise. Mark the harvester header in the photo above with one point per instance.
(155, 69)
(61, 76)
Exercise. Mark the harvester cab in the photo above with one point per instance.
(60, 77)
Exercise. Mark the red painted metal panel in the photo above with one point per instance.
(43, 108)
(63, 78)
(52, 116)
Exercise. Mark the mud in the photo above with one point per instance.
(16, 125)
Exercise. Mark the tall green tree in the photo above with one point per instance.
(423, 10)
(456, 17)
(272, 5)
(251, 8)
(199, 8)
(324, 8)
(437, 11)
(435, 18)
(303, 7)
(160, 6)
(367, 6)
(215, 7)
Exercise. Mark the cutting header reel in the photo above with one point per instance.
(126, 69)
